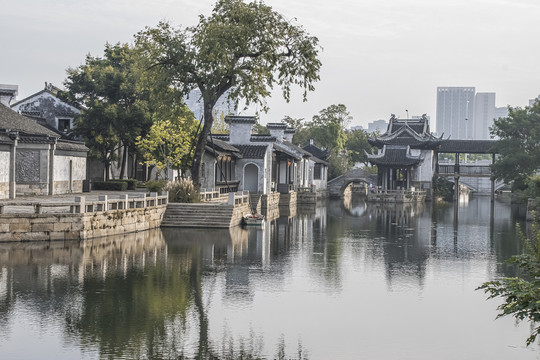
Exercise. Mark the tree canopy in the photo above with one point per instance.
(116, 111)
(521, 294)
(357, 145)
(243, 48)
(168, 142)
(328, 127)
(518, 144)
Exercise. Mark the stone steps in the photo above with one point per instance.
(198, 215)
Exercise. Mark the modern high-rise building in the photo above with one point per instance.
(532, 101)
(455, 111)
(484, 113)
(377, 125)
(221, 109)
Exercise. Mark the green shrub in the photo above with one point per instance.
(131, 183)
(442, 188)
(533, 186)
(113, 185)
(156, 185)
(182, 190)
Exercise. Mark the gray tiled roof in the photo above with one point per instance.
(284, 149)
(71, 146)
(297, 149)
(240, 119)
(395, 156)
(5, 139)
(222, 137)
(252, 151)
(223, 145)
(276, 126)
(262, 138)
(466, 146)
(221, 148)
(14, 121)
(317, 152)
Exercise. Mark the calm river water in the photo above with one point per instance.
(343, 280)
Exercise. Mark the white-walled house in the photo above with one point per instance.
(47, 109)
(318, 168)
(35, 160)
(270, 167)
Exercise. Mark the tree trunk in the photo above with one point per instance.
(107, 171)
(124, 162)
(196, 167)
(134, 166)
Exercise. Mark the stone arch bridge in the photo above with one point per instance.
(337, 185)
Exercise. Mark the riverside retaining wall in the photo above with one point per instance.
(85, 220)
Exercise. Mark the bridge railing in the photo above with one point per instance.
(478, 170)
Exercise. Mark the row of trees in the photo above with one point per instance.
(128, 107)
(328, 130)
(519, 149)
(133, 94)
(519, 163)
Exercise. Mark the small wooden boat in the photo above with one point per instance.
(254, 220)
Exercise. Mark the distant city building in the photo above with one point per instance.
(221, 109)
(501, 112)
(377, 125)
(531, 101)
(455, 110)
(484, 113)
(358, 127)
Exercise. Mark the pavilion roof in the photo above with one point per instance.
(466, 146)
(395, 156)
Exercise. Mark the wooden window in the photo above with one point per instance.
(317, 172)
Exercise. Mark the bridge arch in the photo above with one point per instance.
(337, 186)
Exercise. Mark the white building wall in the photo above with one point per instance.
(208, 180)
(240, 134)
(4, 175)
(4, 166)
(66, 169)
(240, 170)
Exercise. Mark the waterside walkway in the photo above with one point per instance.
(85, 216)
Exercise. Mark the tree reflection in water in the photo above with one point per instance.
(143, 295)
(213, 294)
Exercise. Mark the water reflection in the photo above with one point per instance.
(334, 280)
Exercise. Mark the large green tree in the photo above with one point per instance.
(167, 145)
(518, 144)
(328, 127)
(328, 130)
(302, 133)
(357, 146)
(241, 49)
(116, 110)
(521, 294)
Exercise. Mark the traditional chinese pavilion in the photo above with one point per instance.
(405, 160)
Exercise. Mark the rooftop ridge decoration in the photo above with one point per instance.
(412, 132)
(290, 130)
(240, 119)
(262, 138)
(276, 126)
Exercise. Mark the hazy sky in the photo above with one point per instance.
(379, 56)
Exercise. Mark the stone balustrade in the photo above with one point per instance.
(81, 219)
(80, 206)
